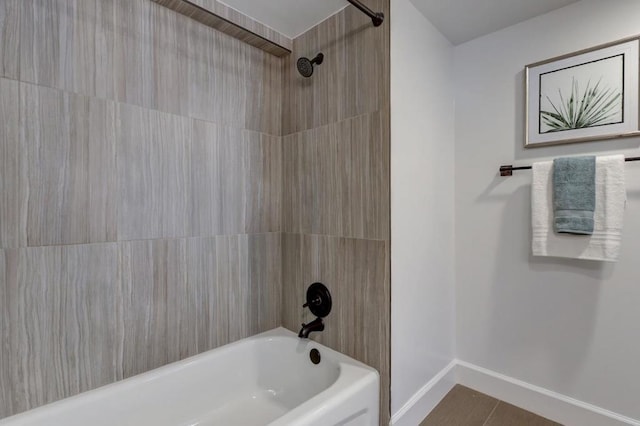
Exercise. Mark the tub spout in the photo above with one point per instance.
(315, 325)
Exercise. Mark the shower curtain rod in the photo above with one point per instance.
(376, 17)
(508, 169)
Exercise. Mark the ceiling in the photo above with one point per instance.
(464, 20)
(458, 20)
(289, 17)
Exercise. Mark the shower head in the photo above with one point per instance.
(305, 65)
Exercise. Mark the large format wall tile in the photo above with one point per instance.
(155, 295)
(151, 56)
(6, 394)
(208, 264)
(357, 274)
(219, 179)
(263, 159)
(264, 89)
(336, 179)
(59, 309)
(168, 62)
(134, 54)
(265, 282)
(237, 181)
(71, 166)
(13, 179)
(217, 78)
(352, 80)
(9, 38)
(182, 297)
(154, 155)
(68, 44)
(181, 177)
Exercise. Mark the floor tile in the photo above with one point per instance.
(509, 415)
(461, 407)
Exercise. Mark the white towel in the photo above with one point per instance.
(611, 198)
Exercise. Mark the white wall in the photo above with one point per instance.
(572, 327)
(422, 206)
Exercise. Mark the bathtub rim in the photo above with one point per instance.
(350, 369)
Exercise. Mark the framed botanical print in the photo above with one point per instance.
(583, 96)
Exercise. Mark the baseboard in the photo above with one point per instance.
(552, 405)
(425, 400)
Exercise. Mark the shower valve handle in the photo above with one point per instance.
(315, 302)
(318, 300)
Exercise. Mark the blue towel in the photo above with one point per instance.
(574, 195)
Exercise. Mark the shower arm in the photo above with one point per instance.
(376, 17)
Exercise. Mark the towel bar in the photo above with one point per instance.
(507, 170)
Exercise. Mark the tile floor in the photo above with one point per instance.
(465, 407)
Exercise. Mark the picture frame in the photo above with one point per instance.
(592, 94)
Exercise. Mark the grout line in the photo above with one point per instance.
(249, 234)
(336, 236)
(118, 102)
(380, 110)
(491, 413)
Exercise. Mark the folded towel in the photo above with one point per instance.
(604, 243)
(574, 194)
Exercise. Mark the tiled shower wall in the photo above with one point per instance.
(336, 152)
(156, 199)
(140, 193)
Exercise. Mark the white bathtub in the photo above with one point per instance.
(266, 379)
